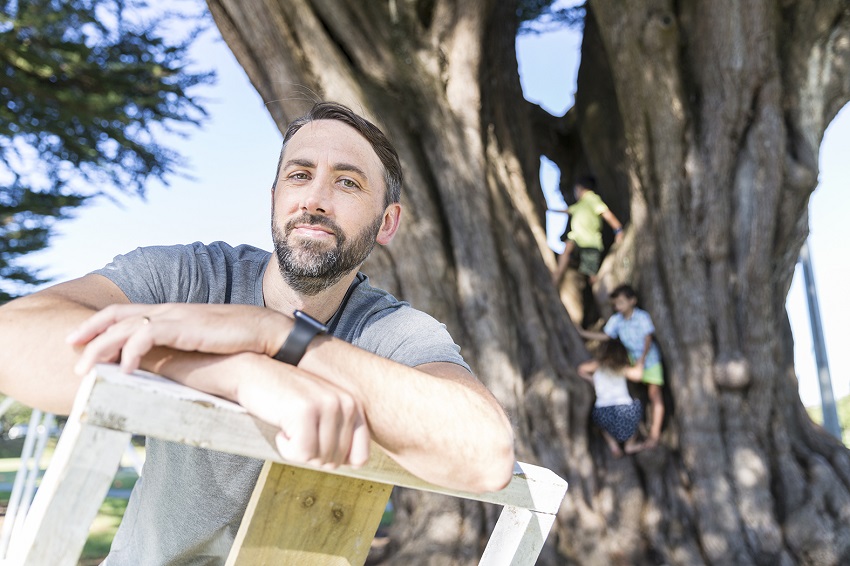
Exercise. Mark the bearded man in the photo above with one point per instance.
(298, 337)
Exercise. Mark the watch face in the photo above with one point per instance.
(318, 326)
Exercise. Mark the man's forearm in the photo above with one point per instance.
(35, 362)
(445, 430)
(439, 427)
(434, 420)
(437, 421)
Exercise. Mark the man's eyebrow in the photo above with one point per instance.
(350, 167)
(299, 163)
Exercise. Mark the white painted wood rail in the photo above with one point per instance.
(111, 406)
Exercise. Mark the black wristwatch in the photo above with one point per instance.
(306, 328)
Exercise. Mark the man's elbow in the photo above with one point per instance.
(499, 469)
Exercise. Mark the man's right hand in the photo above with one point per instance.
(320, 424)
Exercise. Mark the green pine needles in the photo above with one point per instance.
(86, 88)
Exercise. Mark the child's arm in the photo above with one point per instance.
(563, 263)
(615, 225)
(585, 369)
(647, 343)
(634, 373)
(591, 335)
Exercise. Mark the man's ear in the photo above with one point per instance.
(392, 217)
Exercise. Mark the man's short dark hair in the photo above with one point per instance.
(587, 181)
(393, 176)
(626, 291)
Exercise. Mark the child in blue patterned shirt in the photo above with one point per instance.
(634, 327)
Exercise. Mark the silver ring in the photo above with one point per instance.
(146, 320)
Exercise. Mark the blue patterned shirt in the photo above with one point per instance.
(632, 333)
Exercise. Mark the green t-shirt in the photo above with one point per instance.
(585, 224)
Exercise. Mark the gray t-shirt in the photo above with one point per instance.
(187, 506)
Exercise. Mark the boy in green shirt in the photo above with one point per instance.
(585, 235)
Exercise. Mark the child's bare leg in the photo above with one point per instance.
(632, 445)
(563, 263)
(656, 402)
(613, 445)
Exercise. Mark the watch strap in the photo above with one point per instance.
(303, 331)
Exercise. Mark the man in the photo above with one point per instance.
(379, 370)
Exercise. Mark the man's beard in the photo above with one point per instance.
(310, 267)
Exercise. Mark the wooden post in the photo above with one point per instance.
(306, 517)
(71, 492)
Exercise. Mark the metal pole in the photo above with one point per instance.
(830, 415)
(29, 489)
(20, 482)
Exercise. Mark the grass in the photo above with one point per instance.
(843, 408)
(103, 529)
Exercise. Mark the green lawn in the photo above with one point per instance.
(103, 529)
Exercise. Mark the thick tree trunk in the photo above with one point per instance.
(722, 110)
(703, 125)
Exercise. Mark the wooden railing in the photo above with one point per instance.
(322, 517)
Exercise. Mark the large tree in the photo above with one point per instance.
(87, 87)
(702, 120)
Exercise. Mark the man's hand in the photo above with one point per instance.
(128, 332)
(320, 424)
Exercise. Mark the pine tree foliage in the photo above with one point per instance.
(538, 16)
(86, 88)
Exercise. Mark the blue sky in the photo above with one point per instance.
(233, 157)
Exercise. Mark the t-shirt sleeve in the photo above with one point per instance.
(410, 337)
(597, 204)
(157, 274)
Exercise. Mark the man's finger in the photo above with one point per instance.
(360, 444)
(109, 345)
(97, 323)
(299, 443)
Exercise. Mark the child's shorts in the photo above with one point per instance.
(621, 421)
(653, 375)
(589, 260)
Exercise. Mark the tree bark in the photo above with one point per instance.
(702, 121)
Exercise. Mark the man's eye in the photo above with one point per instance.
(298, 176)
(349, 184)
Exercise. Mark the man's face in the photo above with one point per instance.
(328, 206)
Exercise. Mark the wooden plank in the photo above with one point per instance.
(151, 405)
(306, 517)
(518, 538)
(335, 514)
(71, 492)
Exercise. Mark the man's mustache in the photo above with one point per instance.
(314, 220)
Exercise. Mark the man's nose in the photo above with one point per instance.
(316, 196)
